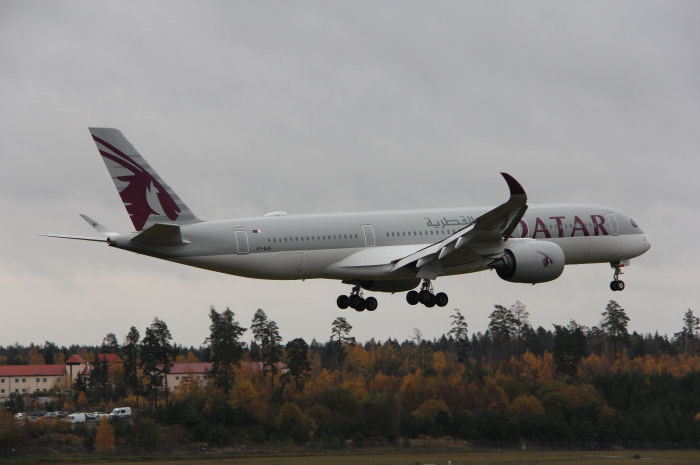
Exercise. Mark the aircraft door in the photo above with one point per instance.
(614, 227)
(368, 230)
(241, 242)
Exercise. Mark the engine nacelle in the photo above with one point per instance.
(530, 261)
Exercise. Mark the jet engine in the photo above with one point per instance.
(530, 261)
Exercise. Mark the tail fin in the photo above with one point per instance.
(147, 198)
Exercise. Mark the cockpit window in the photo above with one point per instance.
(634, 223)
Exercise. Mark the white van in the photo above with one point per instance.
(120, 412)
(76, 418)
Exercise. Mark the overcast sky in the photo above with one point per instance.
(312, 107)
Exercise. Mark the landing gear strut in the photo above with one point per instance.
(426, 296)
(617, 284)
(355, 300)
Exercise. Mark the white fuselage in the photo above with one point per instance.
(359, 246)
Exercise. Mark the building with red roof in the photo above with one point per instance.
(30, 379)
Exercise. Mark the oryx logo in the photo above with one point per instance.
(546, 259)
(143, 195)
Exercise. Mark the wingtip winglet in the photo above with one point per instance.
(513, 185)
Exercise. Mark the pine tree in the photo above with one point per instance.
(614, 325)
(157, 354)
(502, 328)
(297, 351)
(271, 349)
(459, 331)
(340, 336)
(131, 359)
(687, 338)
(110, 344)
(225, 348)
(569, 347)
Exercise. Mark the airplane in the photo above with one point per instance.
(386, 251)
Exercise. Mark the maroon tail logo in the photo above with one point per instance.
(546, 259)
(143, 192)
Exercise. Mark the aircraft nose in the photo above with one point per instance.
(646, 245)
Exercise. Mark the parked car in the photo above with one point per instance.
(19, 416)
(120, 412)
(99, 416)
(76, 418)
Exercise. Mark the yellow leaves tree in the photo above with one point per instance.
(35, 357)
(81, 402)
(439, 362)
(104, 441)
(243, 395)
(431, 408)
(526, 405)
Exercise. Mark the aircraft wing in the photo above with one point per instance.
(473, 242)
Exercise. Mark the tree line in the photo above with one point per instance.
(569, 385)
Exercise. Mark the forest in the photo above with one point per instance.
(567, 386)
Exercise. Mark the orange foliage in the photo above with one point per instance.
(592, 366)
(357, 360)
(526, 405)
(413, 390)
(35, 358)
(385, 383)
(430, 409)
(82, 401)
(439, 362)
(104, 442)
(243, 394)
(355, 384)
(323, 381)
(494, 396)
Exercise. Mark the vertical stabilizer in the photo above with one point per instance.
(147, 198)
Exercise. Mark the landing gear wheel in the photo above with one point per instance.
(617, 284)
(412, 297)
(361, 305)
(371, 304)
(431, 301)
(424, 296)
(441, 299)
(343, 302)
(354, 301)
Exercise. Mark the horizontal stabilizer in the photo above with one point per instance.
(98, 227)
(161, 234)
(77, 238)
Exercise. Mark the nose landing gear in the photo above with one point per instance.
(355, 301)
(617, 284)
(426, 296)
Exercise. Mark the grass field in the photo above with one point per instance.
(417, 458)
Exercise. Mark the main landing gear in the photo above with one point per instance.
(617, 284)
(426, 296)
(355, 300)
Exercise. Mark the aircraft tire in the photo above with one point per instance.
(424, 297)
(354, 300)
(361, 305)
(412, 297)
(620, 285)
(371, 303)
(441, 299)
(431, 301)
(343, 302)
